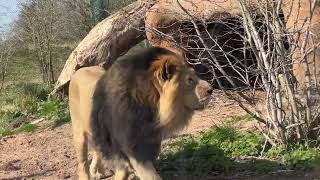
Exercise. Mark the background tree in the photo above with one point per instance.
(75, 19)
(99, 9)
(7, 49)
(39, 24)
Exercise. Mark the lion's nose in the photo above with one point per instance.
(205, 88)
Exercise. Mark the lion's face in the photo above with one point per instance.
(186, 87)
(196, 93)
(181, 91)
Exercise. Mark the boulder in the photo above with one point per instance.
(168, 25)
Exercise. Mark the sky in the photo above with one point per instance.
(8, 12)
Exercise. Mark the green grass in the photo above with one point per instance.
(223, 149)
(24, 97)
(235, 119)
(23, 66)
(6, 132)
(27, 128)
(27, 102)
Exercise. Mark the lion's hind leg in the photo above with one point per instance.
(121, 174)
(81, 148)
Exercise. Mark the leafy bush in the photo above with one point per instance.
(7, 118)
(302, 157)
(245, 145)
(48, 109)
(212, 150)
(64, 114)
(56, 110)
(13, 91)
(219, 135)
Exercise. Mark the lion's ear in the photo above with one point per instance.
(168, 71)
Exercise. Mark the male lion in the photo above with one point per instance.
(127, 110)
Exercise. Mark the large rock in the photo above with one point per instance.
(167, 16)
(168, 26)
(174, 30)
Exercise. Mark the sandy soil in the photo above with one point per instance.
(49, 154)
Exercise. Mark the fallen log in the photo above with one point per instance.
(108, 40)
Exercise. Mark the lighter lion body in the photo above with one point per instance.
(127, 110)
(81, 89)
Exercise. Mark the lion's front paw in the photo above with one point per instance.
(98, 175)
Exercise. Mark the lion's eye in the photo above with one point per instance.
(190, 81)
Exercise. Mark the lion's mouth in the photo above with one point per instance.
(203, 103)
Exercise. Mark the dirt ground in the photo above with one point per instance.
(49, 154)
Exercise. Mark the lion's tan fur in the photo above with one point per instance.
(81, 89)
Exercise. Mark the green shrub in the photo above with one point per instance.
(38, 91)
(24, 128)
(48, 109)
(56, 110)
(64, 114)
(29, 100)
(24, 96)
(302, 157)
(245, 145)
(219, 135)
(26, 104)
(257, 165)
(7, 118)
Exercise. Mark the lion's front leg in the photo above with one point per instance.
(144, 170)
(96, 169)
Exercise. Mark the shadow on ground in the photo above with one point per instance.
(206, 162)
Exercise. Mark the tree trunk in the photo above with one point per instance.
(296, 14)
(4, 60)
(108, 40)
